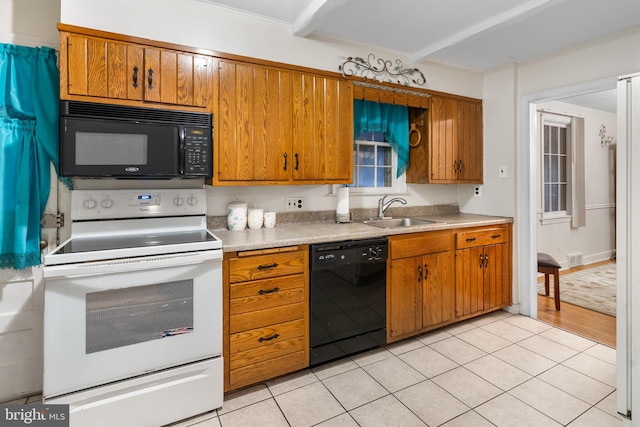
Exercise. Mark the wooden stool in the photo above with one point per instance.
(548, 265)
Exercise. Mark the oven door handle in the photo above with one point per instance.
(132, 264)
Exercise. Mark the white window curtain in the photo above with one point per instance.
(576, 189)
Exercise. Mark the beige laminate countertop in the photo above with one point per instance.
(289, 234)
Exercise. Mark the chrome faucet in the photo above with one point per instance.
(383, 206)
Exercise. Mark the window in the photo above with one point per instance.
(562, 169)
(374, 166)
(555, 165)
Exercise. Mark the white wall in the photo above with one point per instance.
(596, 241)
(30, 22)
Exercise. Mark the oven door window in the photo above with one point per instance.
(126, 316)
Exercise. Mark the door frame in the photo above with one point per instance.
(528, 185)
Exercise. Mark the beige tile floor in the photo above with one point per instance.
(495, 370)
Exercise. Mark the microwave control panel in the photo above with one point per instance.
(197, 151)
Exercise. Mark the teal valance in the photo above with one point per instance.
(391, 120)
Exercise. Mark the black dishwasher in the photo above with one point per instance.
(347, 292)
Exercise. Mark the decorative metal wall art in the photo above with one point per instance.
(384, 71)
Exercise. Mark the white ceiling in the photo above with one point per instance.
(474, 34)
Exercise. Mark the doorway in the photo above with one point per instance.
(575, 213)
(528, 187)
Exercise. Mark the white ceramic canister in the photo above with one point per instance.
(237, 216)
(269, 219)
(256, 217)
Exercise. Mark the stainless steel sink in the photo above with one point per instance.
(399, 222)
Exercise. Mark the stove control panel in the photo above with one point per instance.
(112, 204)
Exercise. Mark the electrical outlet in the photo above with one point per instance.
(294, 203)
(477, 191)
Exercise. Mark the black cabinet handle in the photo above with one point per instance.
(150, 78)
(481, 261)
(426, 271)
(273, 337)
(297, 161)
(135, 77)
(419, 273)
(285, 161)
(486, 261)
(268, 291)
(461, 165)
(471, 239)
(266, 267)
(455, 166)
(495, 236)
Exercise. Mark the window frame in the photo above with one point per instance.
(565, 122)
(399, 184)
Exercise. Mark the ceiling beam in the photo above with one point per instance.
(309, 19)
(528, 8)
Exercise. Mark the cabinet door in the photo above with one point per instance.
(322, 129)
(405, 297)
(497, 292)
(469, 281)
(253, 135)
(443, 139)
(101, 68)
(469, 141)
(438, 293)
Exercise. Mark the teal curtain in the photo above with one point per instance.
(391, 120)
(29, 105)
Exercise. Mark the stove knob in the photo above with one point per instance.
(107, 203)
(90, 203)
(178, 201)
(192, 200)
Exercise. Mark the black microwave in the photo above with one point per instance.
(103, 140)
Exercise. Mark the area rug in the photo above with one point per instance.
(592, 288)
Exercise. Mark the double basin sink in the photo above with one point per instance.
(399, 222)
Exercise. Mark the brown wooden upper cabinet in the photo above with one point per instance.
(113, 70)
(452, 152)
(280, 126)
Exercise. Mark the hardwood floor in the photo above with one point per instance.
(587, 323)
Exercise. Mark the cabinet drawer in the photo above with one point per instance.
(266, 266)
(263, 294)
(410, 245)
(481, 237)
(266, 343)
(269, 335)
(270, 316)
(267, 369)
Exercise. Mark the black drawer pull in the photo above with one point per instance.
(285, 161)
(268, 291)
(471, 239)
(150, 78)
(495, 236)
(273, 337)
(266, 267)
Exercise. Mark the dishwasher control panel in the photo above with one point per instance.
(330, 255)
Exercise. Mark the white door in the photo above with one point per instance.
(21, 314)
(21, 297)
(628, 242)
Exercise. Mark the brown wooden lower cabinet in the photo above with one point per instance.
(266, 314)
(437, 278)
(483, 270)
(434, 279)
(420, 283)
